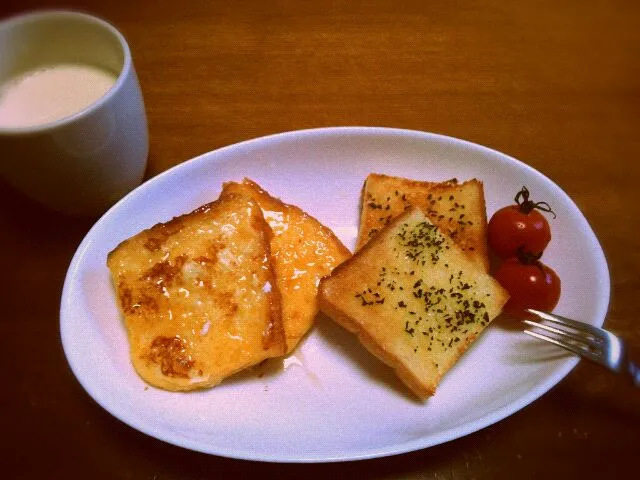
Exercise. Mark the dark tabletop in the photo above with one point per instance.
(555, 84)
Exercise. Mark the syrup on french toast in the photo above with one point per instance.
(199, 296)
(303, 250)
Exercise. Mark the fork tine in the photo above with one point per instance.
(569, 335)
(596, 344)
(566, 346)
(579, 348)
(567, 321)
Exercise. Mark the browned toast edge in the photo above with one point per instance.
(419, 388)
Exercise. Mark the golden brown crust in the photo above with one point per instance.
(458, 209)
(365, 338)
(274, 334)
(383, 198)
(303, 249)
(413, 298)
(199, 295)
(329, 304)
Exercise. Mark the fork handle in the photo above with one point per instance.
(634, 372)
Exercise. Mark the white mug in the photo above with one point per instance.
(82, 163)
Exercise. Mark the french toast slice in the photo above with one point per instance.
(199, 296)
(414, 299)
(458, 210)
(303, 250)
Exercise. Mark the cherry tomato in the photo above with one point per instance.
(530, 285)
(520, 227)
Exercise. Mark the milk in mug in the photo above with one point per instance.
(44, 95)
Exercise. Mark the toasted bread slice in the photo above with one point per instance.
(458, 210)
(199, 296)
(304, 251)
(414, 299)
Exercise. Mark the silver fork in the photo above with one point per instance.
(593, 343)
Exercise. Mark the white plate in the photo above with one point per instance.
(331, 401)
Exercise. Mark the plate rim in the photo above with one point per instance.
(442, 437)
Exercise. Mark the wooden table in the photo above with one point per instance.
(553, 83)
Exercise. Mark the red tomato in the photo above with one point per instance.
(531, 285)
(510, 230)
(519, 227)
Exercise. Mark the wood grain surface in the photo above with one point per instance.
(555, 84)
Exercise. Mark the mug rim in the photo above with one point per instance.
(40, 15)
